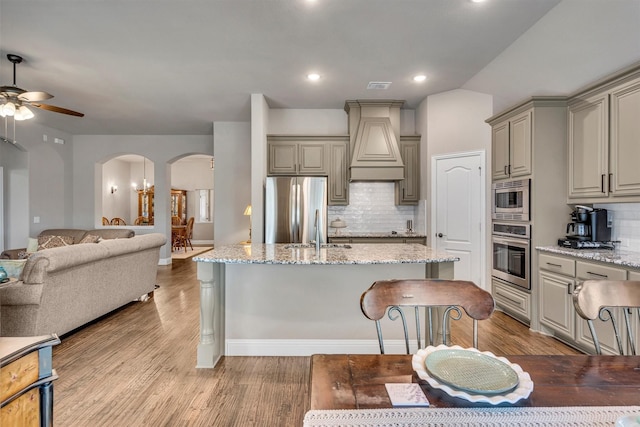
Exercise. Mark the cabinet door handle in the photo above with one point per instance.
(505, 170)
(610, 179)
(509, 169)
(553, 265)
(602, 183)
(569, 288)
(597, 274)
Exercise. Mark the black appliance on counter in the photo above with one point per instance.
(589, 229)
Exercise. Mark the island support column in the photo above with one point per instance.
(211, 345)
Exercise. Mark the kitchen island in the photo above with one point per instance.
(281, 299)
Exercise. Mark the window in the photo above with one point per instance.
(205, 205)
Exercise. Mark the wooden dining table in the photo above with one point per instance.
(357, 381)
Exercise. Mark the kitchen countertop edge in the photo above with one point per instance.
(358, 254)
(617, 257)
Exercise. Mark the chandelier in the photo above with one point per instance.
(145, 184)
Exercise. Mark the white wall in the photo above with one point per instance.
(38, 182)
(307, 122)
(118, 204)
(232, 148)
(91, 151)
(454, 122)
(193, 174)
(575, 44)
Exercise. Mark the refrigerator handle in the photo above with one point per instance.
(295, 214)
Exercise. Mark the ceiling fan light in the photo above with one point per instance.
(8, 109)
(23, 113)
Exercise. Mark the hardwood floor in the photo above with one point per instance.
(136, 367)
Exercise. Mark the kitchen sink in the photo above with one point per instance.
(313, 246)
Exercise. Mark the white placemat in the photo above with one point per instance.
(476, 417)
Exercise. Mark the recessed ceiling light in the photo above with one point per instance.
(477, 1)
(313, 76)
(419, 78)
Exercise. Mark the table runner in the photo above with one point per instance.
(478, 417)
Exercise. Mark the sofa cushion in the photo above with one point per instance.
(90, 238)
(48, 242)
(13, 267)
(113, 233)
(32, 245)
(76, 233)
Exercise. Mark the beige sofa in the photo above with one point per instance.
(64, 288)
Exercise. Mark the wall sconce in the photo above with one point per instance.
(114, 188)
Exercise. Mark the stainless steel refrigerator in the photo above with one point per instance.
(292, 204)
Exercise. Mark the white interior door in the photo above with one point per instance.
(457, 212)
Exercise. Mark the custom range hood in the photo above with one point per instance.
(374, 132)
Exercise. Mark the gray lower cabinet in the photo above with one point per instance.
(516, 302)
(556, 307)
(557, 278)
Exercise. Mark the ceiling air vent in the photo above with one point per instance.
(378, 85)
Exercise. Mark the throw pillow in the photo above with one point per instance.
(90, 238)
(13, 267)
(48, 242)
(32, 245)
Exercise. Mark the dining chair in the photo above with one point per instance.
(189, 231)
(596, 299)
(175, 220)
(105, 220)
(139, 220)
(391, 297)
(117, 221)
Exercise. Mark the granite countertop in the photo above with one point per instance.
(360, 234)
(281, 253)
(612, 256)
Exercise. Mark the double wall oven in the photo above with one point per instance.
(511, 233)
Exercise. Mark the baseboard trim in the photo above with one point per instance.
(164, 261)
(309, 347)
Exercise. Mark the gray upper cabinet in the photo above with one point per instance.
(296, 156)
(624, 144)
(338, 173)
(314, 156)
(408, 189)
(511, 147)
(604, 142)
(588, 146)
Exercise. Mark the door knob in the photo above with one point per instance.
(440, 234)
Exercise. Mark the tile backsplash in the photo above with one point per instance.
(372, 209)
(626, 224)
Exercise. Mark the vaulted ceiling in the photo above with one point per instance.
(175, 66)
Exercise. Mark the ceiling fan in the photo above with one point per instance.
(14, 100)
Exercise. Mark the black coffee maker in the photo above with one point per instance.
(589, 224)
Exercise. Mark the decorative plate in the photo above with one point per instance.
(521, 391)
(471, 371)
